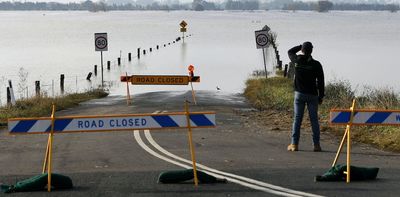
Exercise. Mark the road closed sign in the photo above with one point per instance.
(160, 80)
(100, 41)
(122, 122)
(262, 39)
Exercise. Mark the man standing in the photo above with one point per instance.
(309, 90)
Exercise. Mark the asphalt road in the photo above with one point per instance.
(253, 158)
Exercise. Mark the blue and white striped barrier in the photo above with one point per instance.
(111, 123)
(366, 117)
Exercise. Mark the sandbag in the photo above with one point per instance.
(178, 176)
(336, 173)
(39, 183)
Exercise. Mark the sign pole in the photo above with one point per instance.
(101, 44)
(262, 43)
(53, 118)
(183, 29)
(102, 79)
(192, 153)
(193, 94)
(265, 63)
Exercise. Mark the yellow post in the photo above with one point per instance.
(128, 101)
(193, 94)
(196, 182)
(340, 148)
(50, 149)
(348, 127)
(46, 156)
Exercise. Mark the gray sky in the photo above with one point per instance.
(66, 1)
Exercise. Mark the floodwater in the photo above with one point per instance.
(360, 47)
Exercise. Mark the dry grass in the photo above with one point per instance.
(276, 94)
(41, 106)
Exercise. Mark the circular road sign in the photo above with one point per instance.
(101, 42)
(261, 39)
(191, 68)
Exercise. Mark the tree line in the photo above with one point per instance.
(324, 6)
(199, 5)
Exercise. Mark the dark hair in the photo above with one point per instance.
(307, 48)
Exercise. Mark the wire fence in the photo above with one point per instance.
(54, 86)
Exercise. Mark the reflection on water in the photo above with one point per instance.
(183, 51)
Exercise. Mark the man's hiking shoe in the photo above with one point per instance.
(293, 147)
(317, 148)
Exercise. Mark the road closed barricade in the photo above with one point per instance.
(109, 123)
(74, 124)
(162, 80)
(360, 117)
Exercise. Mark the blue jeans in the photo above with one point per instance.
(300, 101)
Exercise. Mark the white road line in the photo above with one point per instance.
(149, 150)
(225, 174)
(244, 181)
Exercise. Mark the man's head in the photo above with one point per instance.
(307, 48)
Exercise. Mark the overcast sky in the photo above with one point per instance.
(78, 1)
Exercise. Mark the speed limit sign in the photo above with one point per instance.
(100, 41)
(262, 39)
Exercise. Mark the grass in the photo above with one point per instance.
(276, 94)
(41, 106)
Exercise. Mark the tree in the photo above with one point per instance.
(393, 7)
(324, 6)
(197, 5)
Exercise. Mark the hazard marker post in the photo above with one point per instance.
(360, 117)
(128, 95)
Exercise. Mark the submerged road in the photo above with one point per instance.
(252, 158)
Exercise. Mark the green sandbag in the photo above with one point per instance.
(39, 183)
(336, 173)
(178, 176)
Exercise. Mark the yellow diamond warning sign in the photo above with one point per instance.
(183, 24)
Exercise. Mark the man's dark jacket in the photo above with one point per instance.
(309, 75)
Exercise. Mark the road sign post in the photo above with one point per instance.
(101, 44)
(191, 75)
(183, 25)
(262, 43)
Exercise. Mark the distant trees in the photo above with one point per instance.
(324, 6)
(198, 5)
(242, 5)
(320, 6)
